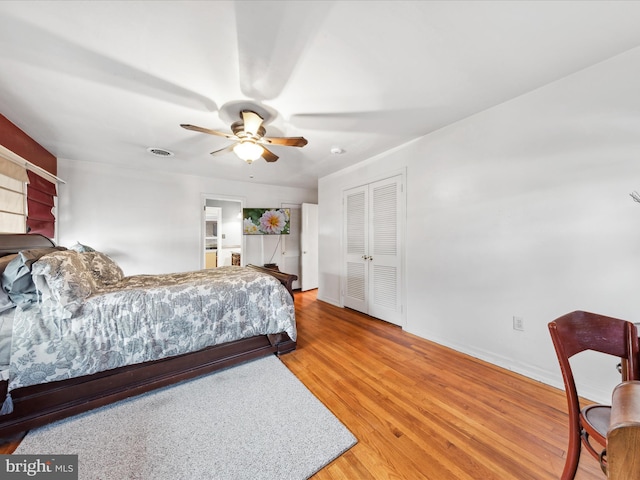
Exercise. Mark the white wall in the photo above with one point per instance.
(522, 210)
(151, 222)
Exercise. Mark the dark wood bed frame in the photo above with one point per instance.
(38, 405)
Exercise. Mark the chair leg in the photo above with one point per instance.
(601, 456)
(603, 462)
(573, 456)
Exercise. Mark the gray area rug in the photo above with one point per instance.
(253, 421)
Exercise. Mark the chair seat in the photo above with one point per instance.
(598, 417)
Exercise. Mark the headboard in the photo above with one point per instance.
(14, 242)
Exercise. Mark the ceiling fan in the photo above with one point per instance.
(250, 141)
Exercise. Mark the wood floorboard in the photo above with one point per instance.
(421, 410)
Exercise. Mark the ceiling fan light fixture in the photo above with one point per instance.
(249, 135)
(248, 151)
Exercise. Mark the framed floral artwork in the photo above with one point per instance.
(266, 221)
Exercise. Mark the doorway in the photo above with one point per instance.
(227, 247)
(212, 237)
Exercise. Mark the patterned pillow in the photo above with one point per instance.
(64, 278)
(104, 270)
(16, 278)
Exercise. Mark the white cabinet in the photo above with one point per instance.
(373, 229)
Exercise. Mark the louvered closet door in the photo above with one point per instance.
(356, 242)
(373, 249)
(384, 251)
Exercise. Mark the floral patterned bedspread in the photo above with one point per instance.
(147, 317)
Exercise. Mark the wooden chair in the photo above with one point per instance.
(574, 333)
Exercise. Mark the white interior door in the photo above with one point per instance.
(373, 249)
(290, 245)
(385, 244)
(356, 248)
(309, 245)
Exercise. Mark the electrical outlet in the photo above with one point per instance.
(518, 323)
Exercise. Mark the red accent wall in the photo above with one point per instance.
(20, 143)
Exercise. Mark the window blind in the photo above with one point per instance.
(12, 200)
(12, 205)
(13, 170)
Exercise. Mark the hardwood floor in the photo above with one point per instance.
(423, 411)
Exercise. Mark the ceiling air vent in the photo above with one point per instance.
(159, 152)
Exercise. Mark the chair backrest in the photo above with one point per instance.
(580, 331)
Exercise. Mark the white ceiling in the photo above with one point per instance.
(103, 80)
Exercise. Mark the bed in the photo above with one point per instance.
(82, 335)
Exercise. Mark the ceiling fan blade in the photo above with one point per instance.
(224, 150)
(272, 39)
(206, 130)
(252, 122)
(286, 141)
(269, 156)
(54, 52)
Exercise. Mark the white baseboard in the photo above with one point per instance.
(334, 302)
(553, 379)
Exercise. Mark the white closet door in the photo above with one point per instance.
(384, 250)
(356, 247)
(373, 249)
